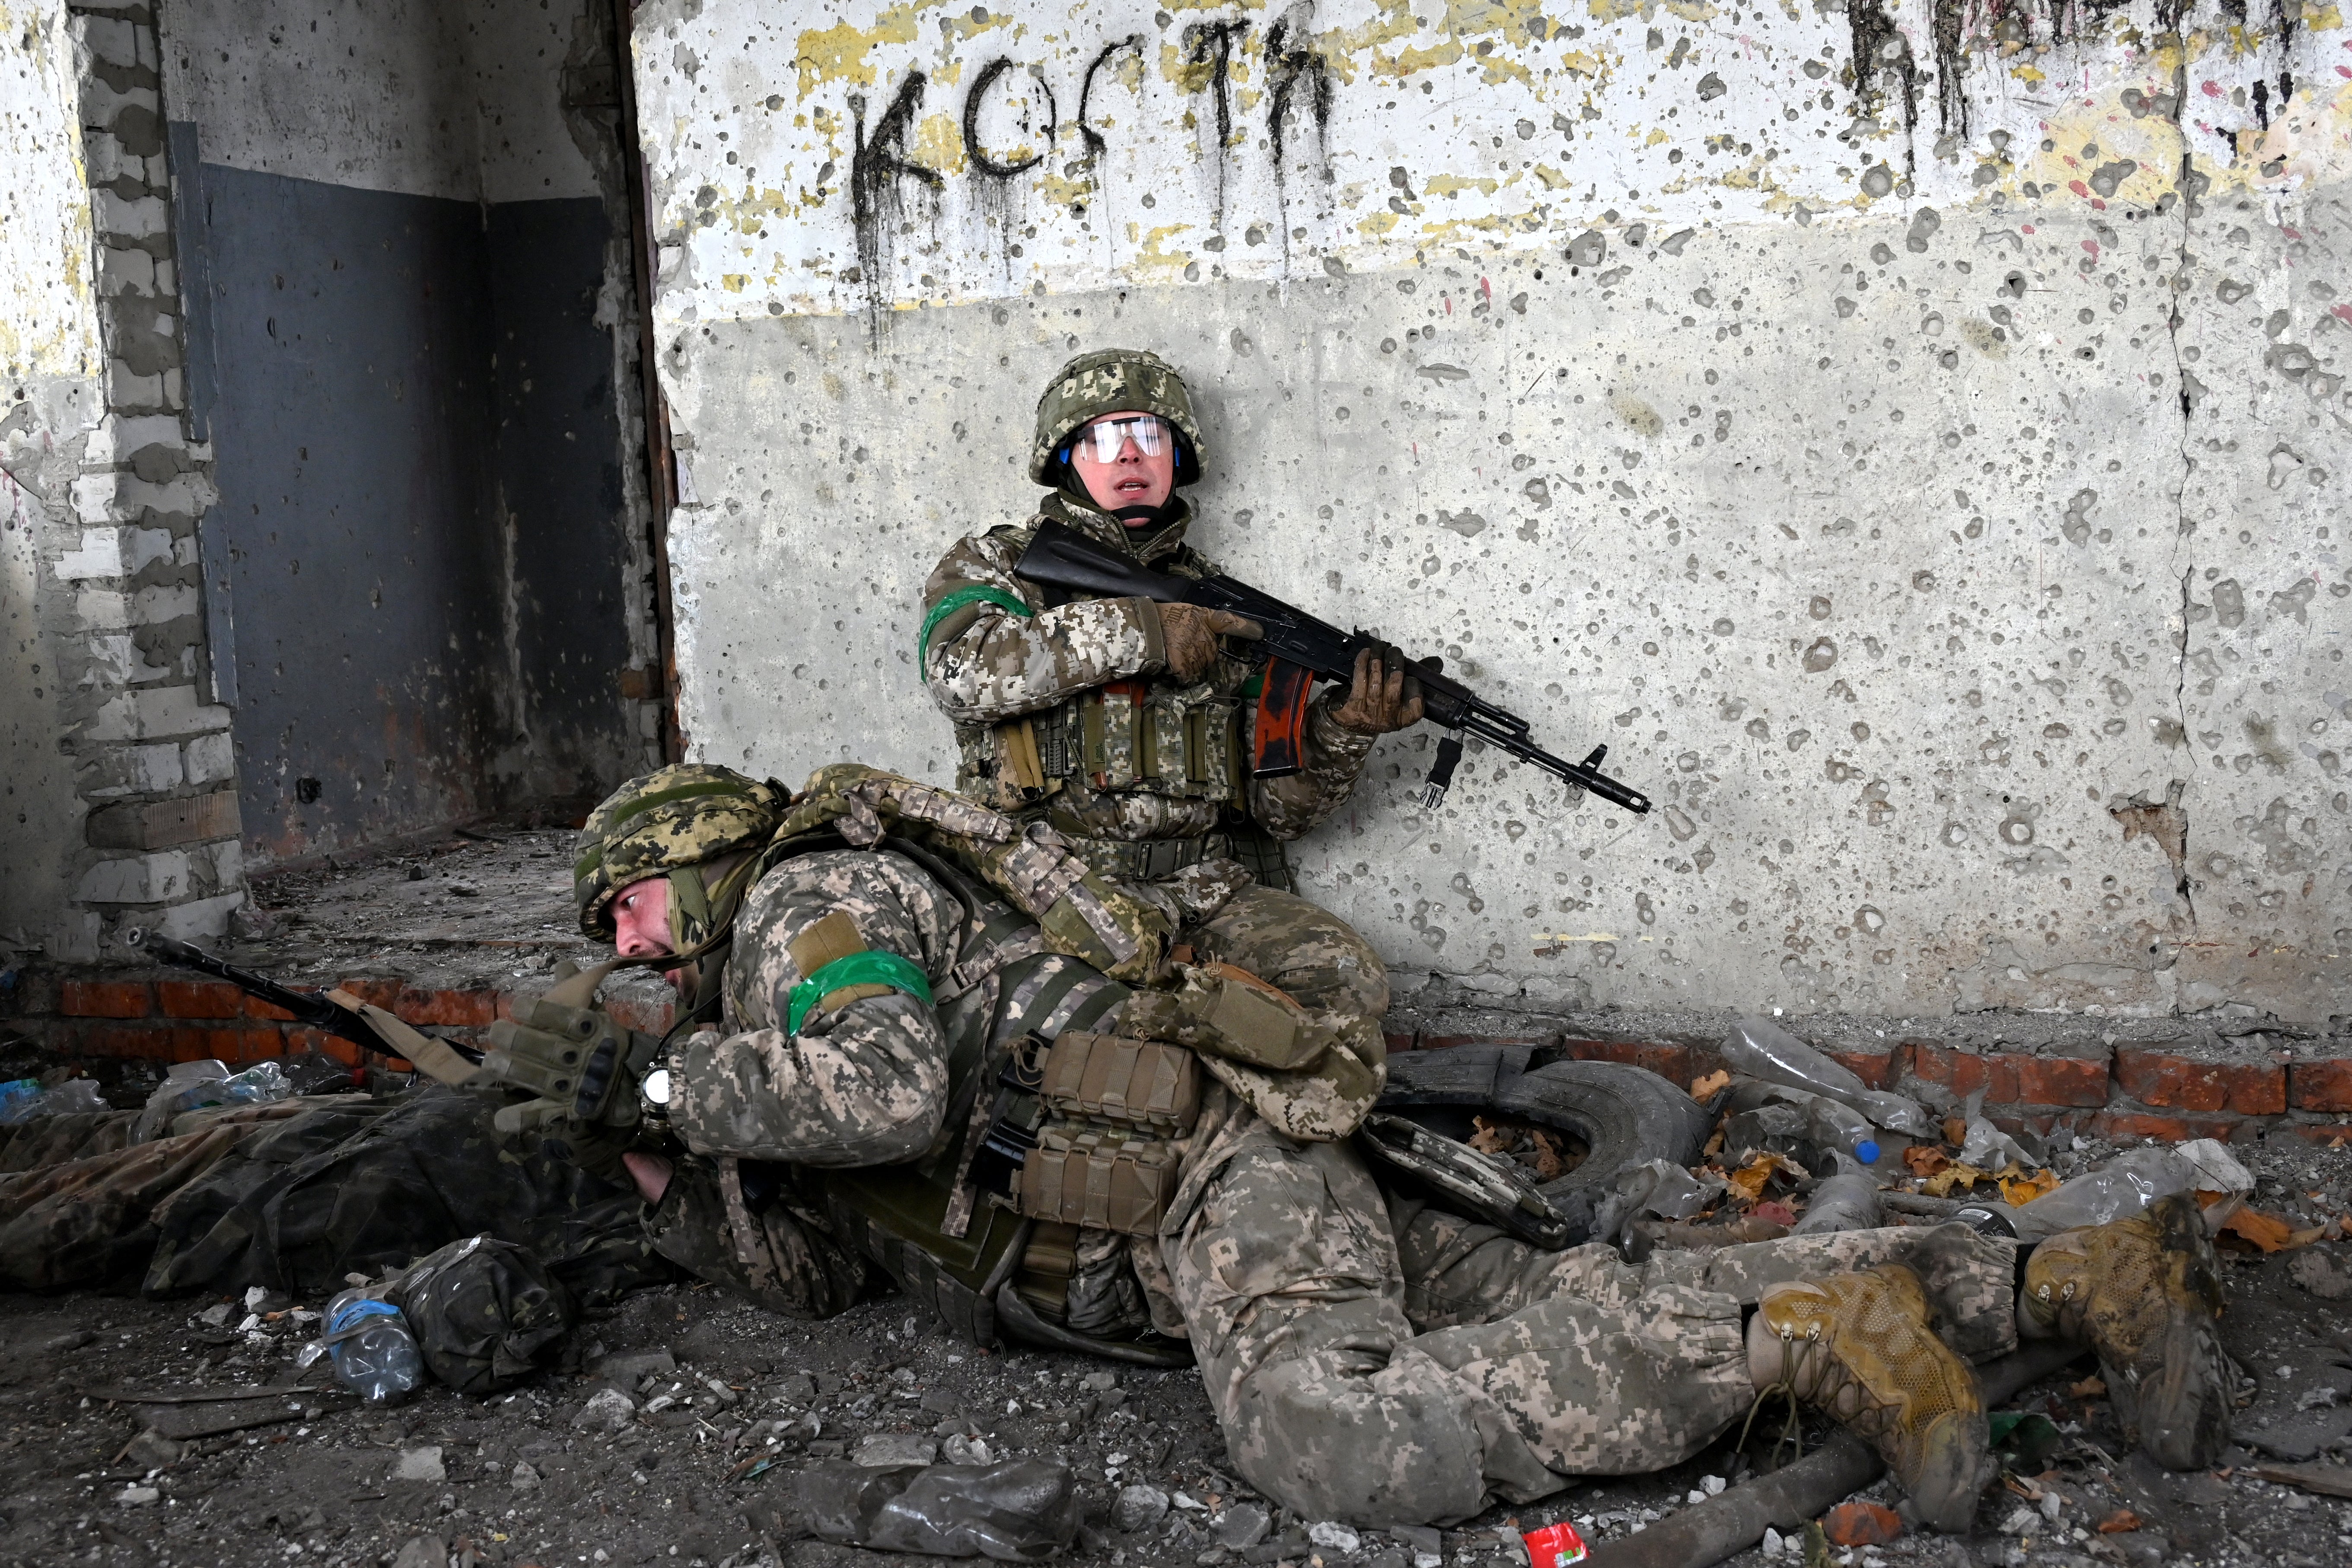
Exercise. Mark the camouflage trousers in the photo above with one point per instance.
(1388, 1364)
(779, 1251)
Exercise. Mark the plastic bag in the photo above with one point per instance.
(2130, 1182)
(263, 1083)
(1654, 1186)
(26, 1098)
(188, 1086)
(1987, 1147)
(1761, 1049)
(1020, 1511)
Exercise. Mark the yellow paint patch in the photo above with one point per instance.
(1448, 185)
(1339, 47)
(2153, 143)
(2027, 73)
(1553, 180)
(1653, 138)
(1406, 62)
(1580, 63)
(1065, 193)
(838, 54)
(1377, 223)
(733, 282)
(1153, 252)
(938, 143)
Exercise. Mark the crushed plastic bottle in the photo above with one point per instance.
(1833, 1124)
(1023, 1511)
(373, 1351)
(2130, 1182)
(1987, 1147)
(263, 1083)
(73, 1097)
(1761, 1049)
(1848, 1202)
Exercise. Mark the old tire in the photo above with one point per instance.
(1622, 1115)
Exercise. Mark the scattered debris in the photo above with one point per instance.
(1860, 1524)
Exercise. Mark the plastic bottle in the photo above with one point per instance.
(375, 1353)
(1833, 1124)
(1841, 1203)
(2128, 1184)
(260, 1084)
(1018, 1511)
(1761, 1049)
(18, 1101)
(76, 1096)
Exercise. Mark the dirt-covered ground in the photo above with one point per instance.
(730, 1401)
(727, 1403)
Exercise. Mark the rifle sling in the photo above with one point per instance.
(431, 1057)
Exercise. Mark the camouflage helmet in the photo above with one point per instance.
(1105, 382)
(681, 817)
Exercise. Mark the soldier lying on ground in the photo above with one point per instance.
(1370, 1357)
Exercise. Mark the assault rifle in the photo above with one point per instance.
(371, 1028)
(1302, 650)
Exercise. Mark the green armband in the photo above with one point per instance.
(868, 968)
(976, 594)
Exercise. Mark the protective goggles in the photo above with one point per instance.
(1105, 439)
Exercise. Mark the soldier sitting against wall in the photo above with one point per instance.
(929, 1043)
(1121, 721)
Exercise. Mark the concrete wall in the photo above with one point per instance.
(51, 400)
(418, 308)
(1907, 435)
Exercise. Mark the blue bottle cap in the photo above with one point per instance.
(1866, 1151)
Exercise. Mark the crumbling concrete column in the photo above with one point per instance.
(126, 787)
(153, 760)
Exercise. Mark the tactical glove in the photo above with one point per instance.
(1189, 634)
(564, 1050)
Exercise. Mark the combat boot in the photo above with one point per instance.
(2145, 1292)
(1858, 1346)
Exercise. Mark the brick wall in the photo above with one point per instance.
(171, 1015)
(2169, 1092)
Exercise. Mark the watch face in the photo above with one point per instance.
(655, 1087)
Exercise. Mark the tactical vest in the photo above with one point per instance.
(1135, 736)
(1052, 1128)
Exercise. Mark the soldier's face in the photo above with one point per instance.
(1133, 476)
(641, 918)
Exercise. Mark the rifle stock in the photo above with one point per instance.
(1062, 557)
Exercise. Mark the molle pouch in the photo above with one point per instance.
(1098, 1179)
(1247, 1020)
(1113, 735)
(1144, 1085)
(1191, 746)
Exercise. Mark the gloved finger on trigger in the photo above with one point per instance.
(1224, 622)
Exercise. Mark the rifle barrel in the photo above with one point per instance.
(309, 1007)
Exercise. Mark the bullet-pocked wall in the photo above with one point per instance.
(415, 346)
(51, 400)
(1908, 435)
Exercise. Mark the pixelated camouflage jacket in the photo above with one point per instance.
(986, 664)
